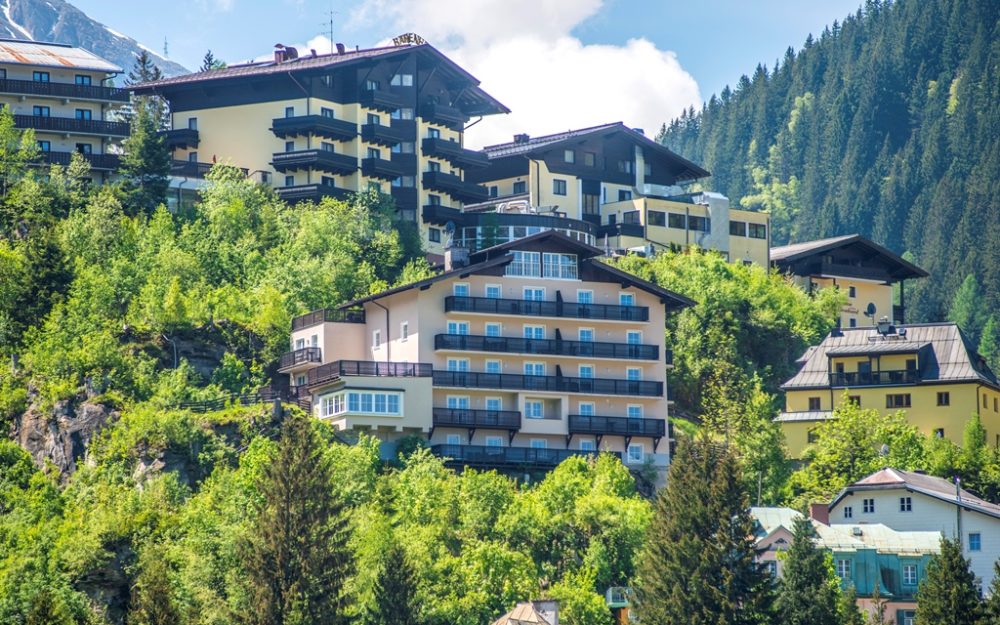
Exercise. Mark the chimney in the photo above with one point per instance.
(521, 138)
(548, 609)
(341, 48)
(455, 258)
(279, 53)
(640, 131)
(819, 512)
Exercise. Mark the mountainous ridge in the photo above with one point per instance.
(59, 21)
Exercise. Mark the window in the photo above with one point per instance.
(635, 453)
(534, 332)
(520, 187)
(84, 114)
(493, 404)
(559, 186)
(587, 445)
(458, 327)
(758, 231)
(854, 399)
(376, 339)
(326, 113)
(300, 380)
(40, 76)
(814, 403)
(868, 506)
(40, 111)
(586, 408)
(404, 182)
(844, 569)
(623, 195)
(738, 228)
(492, 329)
(493, 366)
(626, 299)
(852, 292)
(534, 368)
(589, 159)
(370, 402)
(909, 617)
(453, 439)
(494, 190)
(493, 291)
(404, 331)
(586, 335)
(584, 297)
(910, 574)
(289, 181)
(906, 504)
(434, 235)
(525, 264)
(772, 568)
(587, 371)
(460, 289)
(848, 512)
(403, 113)
(569, 156)
(699, 224)
(633, 337)
(534, 294)
(458, 364)
(899, 400)
(633, 374)
(677, 220)
(625, 167)
(634, 411)
(374, 153)
(289, 111)
(656, 218)
(994, 404)
(44, 146)
(193, 158)
(539, 443)
(84, 148)
(326, 146)
(192, 123)
(373, 119)
(289, 146)
(984, 400)
(562, 266)
(975, 541)
(401, 80)
(82, 79)
(812, 436)
(494, 441)
(458, 402)
(534, 409)
(939, 433)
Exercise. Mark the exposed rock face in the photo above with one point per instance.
(62, 435)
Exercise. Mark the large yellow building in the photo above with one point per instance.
(316, 125)
(865, 271)
(65, 95)
(625, 186)
(930, 372)
(515, 357)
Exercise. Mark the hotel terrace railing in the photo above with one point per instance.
(467, 418)
(551, 347)
(498, 306)
(318, 125)
(333, 315)
(875, 378)
(556, 384)
(300, 356)
(97, 161)
(70, 91)
(367, 368)
(72, 125)
(616, 426)
(487, 456)
(181, 138)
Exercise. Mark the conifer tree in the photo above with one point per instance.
(209, 62)
(700, 565)
(152, 601)
(394, 596)
(850, 613)
(145, 70)
(989, 343)
(966, 308)
(295, 549)
(145, 165)
(991, 607)
(809, 591)
(948, 594)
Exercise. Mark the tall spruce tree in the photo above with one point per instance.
(967, 308)
(699, 566)
(145, 165)
(209, 62)
(850, 613)
(152, 600)
(991, 607)
(989, 343)
(394, 600)
(295, 550)
(145, 70)
(948, 593)
(809, 591)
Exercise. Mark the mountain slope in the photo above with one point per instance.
(888, 125)
(59, 21)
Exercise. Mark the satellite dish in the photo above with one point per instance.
(870, 310)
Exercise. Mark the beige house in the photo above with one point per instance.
(516, 356)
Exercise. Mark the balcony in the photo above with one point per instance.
(367, 368)
(327, 315)
(400, 165)
(547, 347)
(617, 426)
(440, 215)
(625, 230)
(506, 457)
(382, 100)
(304, 356)
(64, 91)
(399, 131)
(98, 162)
(312, 193)
(182, 138)
(443, 114)
(71, 125)
(454, 186)
(319, 160)
(573, 310)
(316, 125)
(406, 202)
(548, 383)
(454, 153)
(875, 378)
(842, 270)
(466, 418)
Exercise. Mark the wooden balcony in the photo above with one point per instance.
(317, 160)
(467, 192)
(454, 153)
(389, 169)
(399, 131)
(312, 193)
(182, 138)
(315, 125)
(299, 357)
(382, 100)
(98, 162)
(617, 426)
(444, 114)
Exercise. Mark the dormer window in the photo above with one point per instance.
(561, 266)
(525, 264)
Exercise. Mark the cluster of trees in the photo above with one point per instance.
(883, 125)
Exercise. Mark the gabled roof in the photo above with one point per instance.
(55, 55)
(583, 250)
(936, 487)
(532, 145)
(949, 356)
(899, 268)
(522, 614)
(850, 537)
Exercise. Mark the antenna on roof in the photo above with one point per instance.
(329, 24)
(166, 53)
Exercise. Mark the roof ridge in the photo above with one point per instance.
(554, 135)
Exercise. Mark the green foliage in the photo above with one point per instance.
(967, 308)
(991, 607)
(394, 600)
(948, 593)
(152, 597)
(809, 590)
(989, 343)
(579, 604)
(146, 163)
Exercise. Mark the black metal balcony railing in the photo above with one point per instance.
(440, 215)
(453, 152)
(466, 418)
(382, 100)
(332, 315)
(317, 125)
(193, 169)
(875, 378)
(487, 456)
(468, 192)
(68, 91)
(556, 384)
(549, 347)
(616, 426)
(300, 356)
(444, 114)
(312, 192)
(367, 368)
(320, 160)
(400, 165)
(625, 230)
(575, 310)
(401, 130)
(72, 125)
(105, 162)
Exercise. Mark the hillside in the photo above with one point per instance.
(886, 125)
(61, 22)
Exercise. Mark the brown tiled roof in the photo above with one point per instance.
(522, 614)
(936, 487)
(786, 254)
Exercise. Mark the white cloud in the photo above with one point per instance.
(524, 53)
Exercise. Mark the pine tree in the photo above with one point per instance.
(809, 591)
(991, 607)
(296, 550)
(152, 602)
(394, 596)
(145, 70)
(145, 165)
(850, 613)
(989, 343)
(699, 566)
(967, 307)
(209, 62)
(948, 593)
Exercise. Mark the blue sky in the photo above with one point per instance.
(528, 53)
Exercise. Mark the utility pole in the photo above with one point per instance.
(958, 502)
